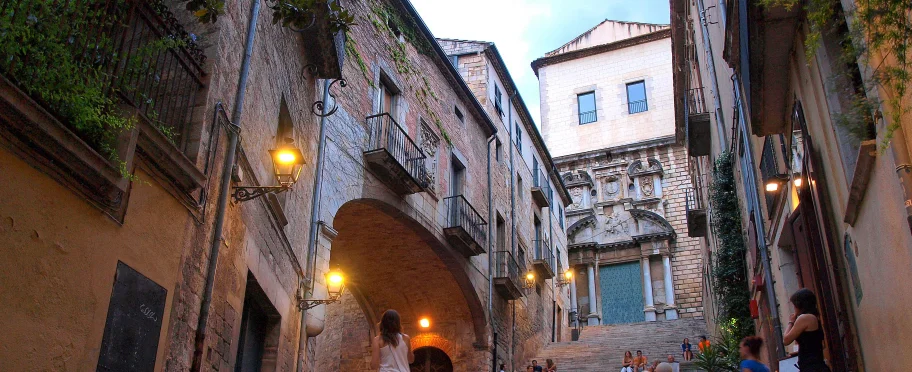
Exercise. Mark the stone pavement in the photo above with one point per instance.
(601, 348)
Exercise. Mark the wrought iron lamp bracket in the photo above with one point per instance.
(318, 107)
(245, 193)
(310, 304)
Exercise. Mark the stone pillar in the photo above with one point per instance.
(650, 310)
(593, 301)
(671, 311)
(574, 307)
(315, 318)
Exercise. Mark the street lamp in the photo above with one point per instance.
(287, 162)
(776, 182)
(568, 277)
(530, 281)
(424, 323)
(335, 284)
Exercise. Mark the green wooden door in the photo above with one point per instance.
(622, 293)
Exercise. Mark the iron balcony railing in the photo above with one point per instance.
(462, 214)
(386, 134)
(587, 117)
(506, 267)
(543, 251)
(131, 50)
(637, 106)
(696, 104)
(694, 199)
(540, 181)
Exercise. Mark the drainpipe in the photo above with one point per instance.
(903, 169)
(314, 226)
(224, 188)
(553, 289)
(491, 255)
(710, 61)
(749, 178)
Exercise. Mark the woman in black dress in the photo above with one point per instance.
(804, 328)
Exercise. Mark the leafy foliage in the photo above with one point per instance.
(300, 14)
(880, 40)
(722, 355)
(729, 266)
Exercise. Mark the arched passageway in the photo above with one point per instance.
(393, 262)
(431, 359)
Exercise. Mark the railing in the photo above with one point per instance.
(131, 50)
(462, 214)
(694, 199)
(386, 134)
(541, 181)
(543, 251)
(587, 117)
(696, 104)
(506, 267)
(769, 172)
(637, 106)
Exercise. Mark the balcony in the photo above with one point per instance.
(541, 188)
(699, 139)
(696, 212)
(544, 258)
(507, 276)
(394, 157)
(465, 228)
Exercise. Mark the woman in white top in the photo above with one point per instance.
(391, 350)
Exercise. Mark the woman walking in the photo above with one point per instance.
(686, 350)
(804, 328)
(391, 350)
(750, 353)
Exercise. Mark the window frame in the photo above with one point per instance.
(645, 99)
(498, 100)
(579, 111)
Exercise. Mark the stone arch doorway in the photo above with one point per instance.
(431, 359)
(394, 262)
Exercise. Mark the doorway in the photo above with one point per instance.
(259, 339)
(622, 293)
(431, 359)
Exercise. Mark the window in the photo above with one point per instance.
(387, 98)
(459, 114)
(560, 216)
(586, 104)
(518, 138)
(501, 233)
(520, 188)
(636, 97)
(497, 100)
(457, 182)
(498, 151)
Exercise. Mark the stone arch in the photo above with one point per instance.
(394, 261)
(655, 226)
(579, 225)
(431, 359)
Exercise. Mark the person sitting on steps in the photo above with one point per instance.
(628, 362)
(640, 362)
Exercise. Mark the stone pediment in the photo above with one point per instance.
(577, 178)
(619, 229)
(652, 166)
(651, 226)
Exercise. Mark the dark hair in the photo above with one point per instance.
(390, 327)
(534, 361)
(639, 351)
(702, 337)
(805, 301)
(549, 362)
(753, 344)
(686, 341)
(626, 353)
(502, 366)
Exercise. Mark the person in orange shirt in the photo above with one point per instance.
(704, 343)
(640, 362)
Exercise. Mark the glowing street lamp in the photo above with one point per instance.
(335, 285)
(530, 280)
(568, 277)
(424, 323)
(287, 162)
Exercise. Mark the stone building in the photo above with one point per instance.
(170, 258)
(607, 116)
(824, 206)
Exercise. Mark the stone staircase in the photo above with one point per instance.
(601, 348)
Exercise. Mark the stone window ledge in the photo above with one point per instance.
(167, 159)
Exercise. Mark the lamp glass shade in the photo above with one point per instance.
(772, 186)
(797, 182)
(335, 283)
(568, 274)
(424, 322)
(287, 162)
(530, 276)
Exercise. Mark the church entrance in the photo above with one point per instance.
(622, 293)
(431, 359)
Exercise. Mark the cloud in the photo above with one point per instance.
(524, 30)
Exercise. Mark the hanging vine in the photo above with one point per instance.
(880, 41)
(729, 266)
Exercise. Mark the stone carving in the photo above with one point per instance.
(429, 142)
(614, 225)
(577, 178)
(611, 187)
(647, 186)
(652, 166)
(576, 194)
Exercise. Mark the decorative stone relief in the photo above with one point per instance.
(576, 194)
(647, 187)
(611, 188)
(429, 143)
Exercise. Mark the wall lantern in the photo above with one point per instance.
(287, 162)
(776, 182)
(567, 278)
(530, 281)
(424, 323)
(335, 284)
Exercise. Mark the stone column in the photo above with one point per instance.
(593, 301)
(671, 312)
(650, 310)
(574, 307)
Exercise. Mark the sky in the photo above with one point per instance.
(524, 30)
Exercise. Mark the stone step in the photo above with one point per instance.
(601, 348)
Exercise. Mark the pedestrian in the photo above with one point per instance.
(551, 366)
(628, 362)
(640, 362)
(664, 367)
(804, 328)
(750, 353)
(686, 350)
(529, 368)
(536, 367)
(391, 350)
(503, 367)
(704, 343)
